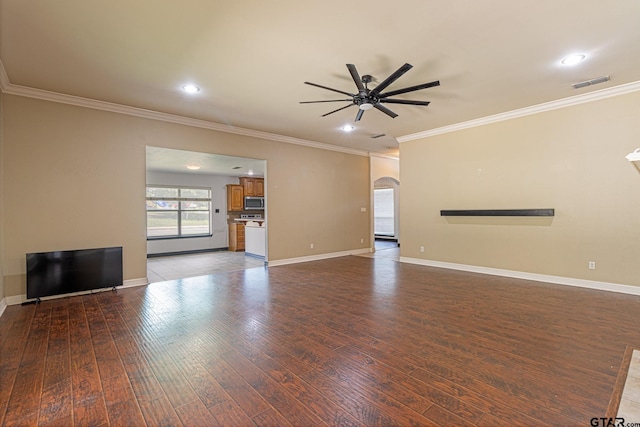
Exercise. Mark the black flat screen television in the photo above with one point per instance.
(63, 272)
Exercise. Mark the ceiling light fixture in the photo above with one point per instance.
(635, 156)
(250, 172)
(191, 88)
(366, 106)
(193, 167)
(573, 59)
(347, 128)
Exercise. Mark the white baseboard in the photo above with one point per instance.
(132, 283)
(19, 299)
(558, 280)
(16, 299)
(318, 257)
(3, 305)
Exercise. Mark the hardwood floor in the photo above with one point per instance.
(348, 341)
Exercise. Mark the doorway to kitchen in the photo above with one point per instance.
(188, 216)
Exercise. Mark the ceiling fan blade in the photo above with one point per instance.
(410, 89)
(386, 111)
(329, 100)
(392, 78)
(356, 78)
(328, 88)
(359, 115)
(335, 111)
(405, 101)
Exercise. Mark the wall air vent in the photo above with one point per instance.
(591, 82)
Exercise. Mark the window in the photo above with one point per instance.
(178, 212)
(383, 212)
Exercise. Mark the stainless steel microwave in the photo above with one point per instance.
(253, 202)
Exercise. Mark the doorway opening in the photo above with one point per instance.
(385, 213)
(188, 220)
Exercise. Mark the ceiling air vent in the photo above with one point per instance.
(591, 82)
(380, 135)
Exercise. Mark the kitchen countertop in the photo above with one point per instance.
(259, 221)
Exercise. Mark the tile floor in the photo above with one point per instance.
(161, 269)
(384, 249)
(629, 408)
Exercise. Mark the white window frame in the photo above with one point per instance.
(179, 210)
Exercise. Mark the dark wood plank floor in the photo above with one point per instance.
(348, 341)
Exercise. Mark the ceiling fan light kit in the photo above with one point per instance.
(367, 99)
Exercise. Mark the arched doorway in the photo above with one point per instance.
(386, 224)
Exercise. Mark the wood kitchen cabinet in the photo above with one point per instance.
(236, 237)
(252, 186)
(259, 186)
(235, 197)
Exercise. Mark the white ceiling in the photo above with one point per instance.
(252, 57)
(169, 160)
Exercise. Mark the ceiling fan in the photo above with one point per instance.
(367, 98)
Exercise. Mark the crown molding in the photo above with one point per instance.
(12, 89)
(384, 156)
(527, 111)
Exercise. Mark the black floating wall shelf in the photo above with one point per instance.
(499, 212)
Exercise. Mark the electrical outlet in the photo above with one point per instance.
(421, 248)
(592, 265)
(361, 240)
(311, 246)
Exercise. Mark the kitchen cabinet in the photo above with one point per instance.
(236, 237)
(235, 197)
(252, 186)
(259, 185)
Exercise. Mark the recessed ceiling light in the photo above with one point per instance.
(347, 128)
(635, 156)
(250, 172)
(191, 88)
(193, 167)
(573, 59)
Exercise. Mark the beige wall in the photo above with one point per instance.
(1, 200)
(75, 178)
(384, 166)
(571, 159)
